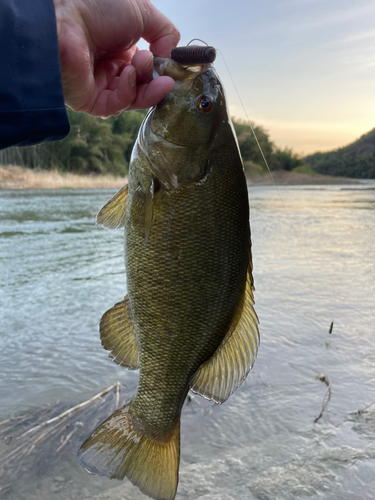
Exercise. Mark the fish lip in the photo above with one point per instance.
(163, 64)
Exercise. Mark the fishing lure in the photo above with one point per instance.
(194, 54)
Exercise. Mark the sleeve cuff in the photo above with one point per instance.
(28, 127)
(32, 106)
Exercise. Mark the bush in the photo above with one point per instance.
(285, 159)
(304, 169)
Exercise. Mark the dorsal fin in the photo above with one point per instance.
(117, 335)
(222, 374)
(112, 215)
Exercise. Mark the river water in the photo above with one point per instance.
(314, 263)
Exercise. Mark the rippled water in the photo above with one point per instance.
(59, 273)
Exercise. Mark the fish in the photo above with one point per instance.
(187, 321)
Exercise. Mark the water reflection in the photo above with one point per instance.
(61, 272)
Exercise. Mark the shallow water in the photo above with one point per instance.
(59, 273)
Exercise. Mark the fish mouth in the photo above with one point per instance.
(168, 67)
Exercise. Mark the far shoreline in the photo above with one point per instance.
(18, 178)
(288, 178)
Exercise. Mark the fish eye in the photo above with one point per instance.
(205, 104)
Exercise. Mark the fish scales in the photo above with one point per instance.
(192, 276)
(188, 320)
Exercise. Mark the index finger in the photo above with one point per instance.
(159, 31)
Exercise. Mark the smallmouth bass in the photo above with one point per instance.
(188, 320)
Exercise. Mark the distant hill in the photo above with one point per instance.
(355, 160)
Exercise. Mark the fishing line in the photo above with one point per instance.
(268, 168)
(198, 40)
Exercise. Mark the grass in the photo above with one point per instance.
(304, 169)
(14, 177)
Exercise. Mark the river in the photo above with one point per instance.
(314, 263)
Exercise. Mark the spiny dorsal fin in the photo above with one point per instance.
(112, 215)
(117, 335)
(221, 375)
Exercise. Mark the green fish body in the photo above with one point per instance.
(188, 320)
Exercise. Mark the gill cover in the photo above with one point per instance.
(177, 135)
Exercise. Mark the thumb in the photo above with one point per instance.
(159, 31)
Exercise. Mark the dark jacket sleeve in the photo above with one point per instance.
(31, 101)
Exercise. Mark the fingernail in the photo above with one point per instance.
(132, 77)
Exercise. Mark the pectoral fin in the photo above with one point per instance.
(221, 375)
(112, 215)
(117, 335)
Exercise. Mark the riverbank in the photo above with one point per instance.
(287, 178)
(14, 177)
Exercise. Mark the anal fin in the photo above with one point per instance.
(117, 335)
(112, 215)
(222, 374)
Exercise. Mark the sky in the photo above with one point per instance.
(304, 69)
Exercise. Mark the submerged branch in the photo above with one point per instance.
(305, 370)
(327, 396)
(31, 441)
(74, 408)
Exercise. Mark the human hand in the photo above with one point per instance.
(102, 70)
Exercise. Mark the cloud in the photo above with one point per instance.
(357, 37)
(336, 17)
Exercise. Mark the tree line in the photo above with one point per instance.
(355, 160)
(277, 158)
(96, 146)
(360, 166)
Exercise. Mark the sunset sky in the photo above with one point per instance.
(305, 69)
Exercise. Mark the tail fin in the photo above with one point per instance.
(119, 448)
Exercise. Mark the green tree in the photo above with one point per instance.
(355, 160)
(285, 159)
(129, 123)
(341, 163)
(93, 146)
(248, 145)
